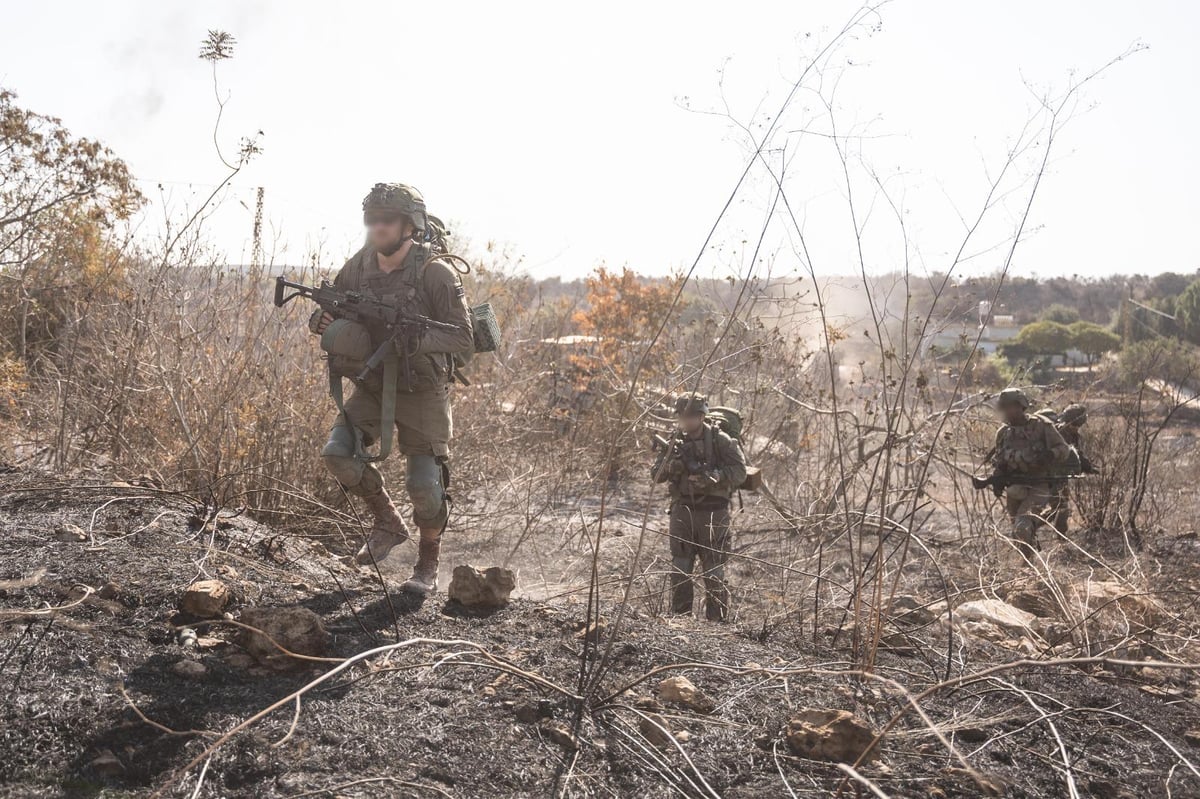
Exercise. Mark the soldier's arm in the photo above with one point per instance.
(448, 300)
(733, 461)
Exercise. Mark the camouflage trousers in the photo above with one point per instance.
(700, 532)
(1027, 508)
(1060, 506)
(423, 429)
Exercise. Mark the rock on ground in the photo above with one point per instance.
(205, 599)
(682, 691)
(827, 734)
(998, 613)
(483, 590)
(298, 630)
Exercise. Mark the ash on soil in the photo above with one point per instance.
(403, 726)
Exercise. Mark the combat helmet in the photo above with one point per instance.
(1073, 415)
(691, 404)
(1013, 396)
(399, 199)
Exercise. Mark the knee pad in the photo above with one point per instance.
(424, 482)
(342, 460)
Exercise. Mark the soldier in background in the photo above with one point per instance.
(703, 467)
(1069, 424)
(1029, 452)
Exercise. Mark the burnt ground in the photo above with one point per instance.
(436, 720)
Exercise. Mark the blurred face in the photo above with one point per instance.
(1011, 412)
(690, 423)
(386, 232)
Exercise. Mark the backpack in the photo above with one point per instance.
(729, 421)
(485, 330)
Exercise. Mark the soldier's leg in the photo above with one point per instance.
(683, 558)
(424, 425)
(341, 457)
(1060, 508)
(425, 481)
(714, 553)
(1026, 504)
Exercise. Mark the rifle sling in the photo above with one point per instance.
(387, 414)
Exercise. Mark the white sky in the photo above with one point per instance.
(558, 128)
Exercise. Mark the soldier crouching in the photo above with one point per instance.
(703, 467)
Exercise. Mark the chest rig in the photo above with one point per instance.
(1022, 447)
(400, 288)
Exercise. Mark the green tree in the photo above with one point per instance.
(1063, 314)
(1187, 312)
(1093, 340)
(1046, 338)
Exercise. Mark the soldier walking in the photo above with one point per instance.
(398, 265)
(1069, 425)
(703, 467)
(1029, 452)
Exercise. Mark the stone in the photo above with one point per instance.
(828, 734)
(1111, 603)
(481, 590)
(591, 631)
(189, 669)
(654, 728)
(205, 599)
(560, 734)
(109, 590)
(682, 691)
(106, 763)
(910, 610)
(70, 534)
(997, 613)
(298, 630)
(1192, 737)
(1031, 601)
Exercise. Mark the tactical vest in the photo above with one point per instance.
(405, 288)
(1022, 448)
(702, 454)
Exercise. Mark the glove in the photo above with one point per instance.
(675, 468)
(319, 321)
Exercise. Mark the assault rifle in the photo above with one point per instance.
(358, 307)
(1000, 480)
(674, 449)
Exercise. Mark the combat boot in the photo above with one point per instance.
(424, 580)
(387, 532)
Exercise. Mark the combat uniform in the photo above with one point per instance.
(427, 287)
(1069, 427)
(1031, 449)
(703, 471)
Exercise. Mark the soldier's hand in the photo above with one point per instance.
(319, 321)
(675, 469)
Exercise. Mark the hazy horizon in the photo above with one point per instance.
(572, 137)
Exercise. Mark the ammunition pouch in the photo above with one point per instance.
(347, 346)
(485, 328)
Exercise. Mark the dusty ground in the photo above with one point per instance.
(437, 719)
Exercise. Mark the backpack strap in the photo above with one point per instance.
(387, 409)
(710, 446)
